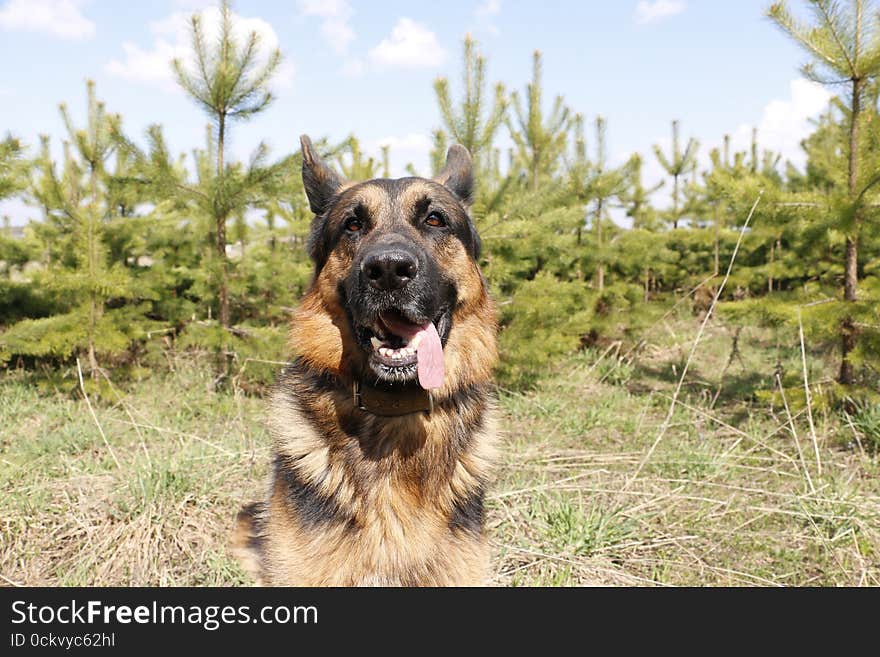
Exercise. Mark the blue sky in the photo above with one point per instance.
(366, 68)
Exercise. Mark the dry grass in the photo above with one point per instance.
(188, 460)
(723, 499)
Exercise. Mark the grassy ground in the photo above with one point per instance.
(598, 484)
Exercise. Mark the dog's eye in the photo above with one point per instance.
(354, 225)
(436, 220)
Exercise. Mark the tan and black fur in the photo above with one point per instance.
(356, 498)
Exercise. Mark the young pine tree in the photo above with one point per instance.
(600, 187)
(637, 199)
(14, 253)
(843, 43)
(539, 142)
(81, 275)
(207, 195)
(470, 124)
(715, 199)
(230, 84)
(732, 184)
(677, 165)
(12, 167)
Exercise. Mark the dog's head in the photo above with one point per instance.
(396, 274)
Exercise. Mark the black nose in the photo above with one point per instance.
(390, 270)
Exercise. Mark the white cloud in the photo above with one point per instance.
(410, 45)
(785, 123)
(354, 68)
(412, 148)
(338, 35)
(152, 65)
(488, 8)
(335, 25)
(60, 18)
(325, 8)
(649, 12)
(486, 12)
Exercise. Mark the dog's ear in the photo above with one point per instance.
(458, 174)
(320, 181)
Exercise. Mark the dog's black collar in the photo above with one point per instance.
(392, 404)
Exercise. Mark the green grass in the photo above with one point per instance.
(187, 459)
(724, 497)
(865, 422)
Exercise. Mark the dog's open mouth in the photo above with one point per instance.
(403, 349)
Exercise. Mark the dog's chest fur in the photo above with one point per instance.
(358, 499)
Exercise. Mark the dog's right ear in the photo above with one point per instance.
(458, 174)
(320, 181)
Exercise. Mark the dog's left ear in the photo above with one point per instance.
(320, 181)
(458, 174)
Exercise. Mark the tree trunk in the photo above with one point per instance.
(223, 283)
(225, 361)
(600, 270)
(535, 160)
(717, 239)
(851, 275)
(779, 259)
(675, 201)
(848, 329)
(770, 273)
(851, 272)
(96, 305)
(93, 320)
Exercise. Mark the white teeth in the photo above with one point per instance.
(414, 343)
(392, 354)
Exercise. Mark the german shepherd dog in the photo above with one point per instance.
(382, 422)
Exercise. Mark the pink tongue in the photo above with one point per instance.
(429, 352)
(430, 355)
